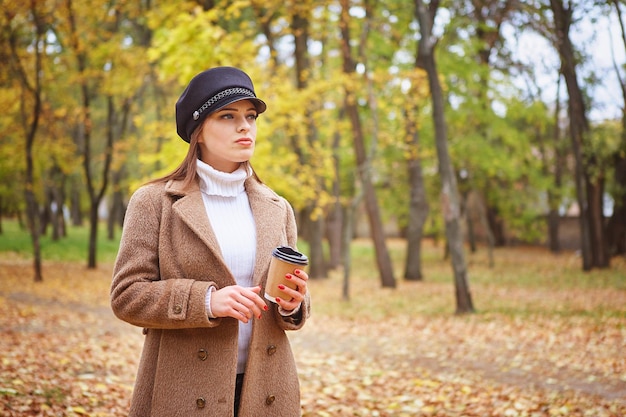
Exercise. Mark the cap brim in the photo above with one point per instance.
(259, 104)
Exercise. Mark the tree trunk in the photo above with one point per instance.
(449, 193)
(335, 218)
(589, 189)
(117, 209)
(554, 219)
(45, 215)
(56, 201)
(595, 193)
(86, 123)
(489, 16)
(93, 208)
(469, 220)
(418, 202)
(383, 259)
(482, 215)
(617, 230)
(496, 225)
(315, 235)
(93, 235)
(315, 226)
(30, 122)
(348, 215)
(32, 216)
(616, 239)
(76, 213)
(347, 232)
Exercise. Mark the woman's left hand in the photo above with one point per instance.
(300, 278)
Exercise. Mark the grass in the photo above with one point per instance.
(16, 241)
(524, 281)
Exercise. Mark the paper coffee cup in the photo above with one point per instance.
(284, 261)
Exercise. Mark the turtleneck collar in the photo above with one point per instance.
(214, 182)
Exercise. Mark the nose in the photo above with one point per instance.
(244, 125)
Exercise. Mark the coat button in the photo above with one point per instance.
(178, 309)
(270, 399)
(271, 349)
(200, 402)
(203, 354)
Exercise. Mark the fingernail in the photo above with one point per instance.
(259, 316)
(277, 300)
(297, 271)
(266, 308)
(288, 276)
(281, 287)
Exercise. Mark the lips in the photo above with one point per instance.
(245, 141)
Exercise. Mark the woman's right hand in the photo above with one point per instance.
(241, 303)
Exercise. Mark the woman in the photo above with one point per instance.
(193, 261)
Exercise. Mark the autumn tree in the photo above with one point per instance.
(299, 14)
(350, 125)
(485, 24)
(425, 14)
(617, 223)
(132, 86)
(418, 200)
(108, 75)
(589, 177)
(363, 162)
(23, 38)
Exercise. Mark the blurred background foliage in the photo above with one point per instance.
(92, 86)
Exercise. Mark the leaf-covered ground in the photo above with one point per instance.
(530, 350)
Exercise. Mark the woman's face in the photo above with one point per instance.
(228, 136)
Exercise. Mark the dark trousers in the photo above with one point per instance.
(238, 386)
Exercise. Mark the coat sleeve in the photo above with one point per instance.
(139, 295)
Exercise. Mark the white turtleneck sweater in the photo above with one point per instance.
(228, 209)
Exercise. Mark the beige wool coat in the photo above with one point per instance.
(168, 258)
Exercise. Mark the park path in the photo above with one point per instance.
(440, 365)
(445, 347)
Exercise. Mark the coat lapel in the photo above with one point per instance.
(190, 208)
(265, 205)
(266, 209)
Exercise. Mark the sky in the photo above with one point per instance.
(602, 41)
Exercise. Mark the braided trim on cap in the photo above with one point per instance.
(219, 96)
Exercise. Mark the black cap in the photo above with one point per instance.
(209, 91)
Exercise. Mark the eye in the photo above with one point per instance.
(252, 116)
(226, 116)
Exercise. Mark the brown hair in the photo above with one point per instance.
(187, 170)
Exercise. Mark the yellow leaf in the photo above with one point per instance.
(426, 383)
(78, 410)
